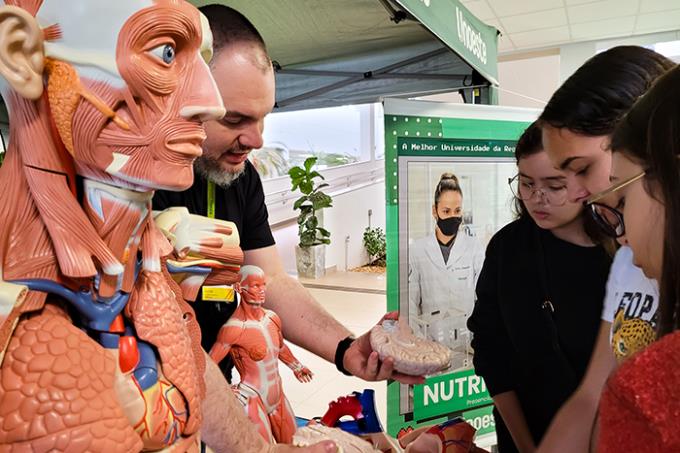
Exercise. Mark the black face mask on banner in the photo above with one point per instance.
(449, 226)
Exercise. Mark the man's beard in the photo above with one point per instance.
(210, 169)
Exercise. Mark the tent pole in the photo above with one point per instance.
(396, 15)
(400, 75)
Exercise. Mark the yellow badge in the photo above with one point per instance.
(222, 293)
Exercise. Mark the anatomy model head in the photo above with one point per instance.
(115, 92)
(124, 86)
(252, 286)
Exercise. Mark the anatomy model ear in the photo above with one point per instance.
(22, 57)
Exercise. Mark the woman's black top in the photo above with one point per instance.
(513, 339)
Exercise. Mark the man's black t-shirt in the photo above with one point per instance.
(242, 203)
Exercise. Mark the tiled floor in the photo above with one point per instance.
(350, 281)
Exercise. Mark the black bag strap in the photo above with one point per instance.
(547, 307)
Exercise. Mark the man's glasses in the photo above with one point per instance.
(525, 191)
(608, 218)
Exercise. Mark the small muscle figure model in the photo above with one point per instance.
(253, 337)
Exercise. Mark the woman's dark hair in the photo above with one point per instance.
(529, 143)
(594, 99)
(447, 181)
(650, 135)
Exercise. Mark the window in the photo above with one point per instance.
(669, 49)
(336, 135)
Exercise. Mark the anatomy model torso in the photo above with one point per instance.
(99, 350)
(254, 338)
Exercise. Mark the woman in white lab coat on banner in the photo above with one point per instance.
(444, 266)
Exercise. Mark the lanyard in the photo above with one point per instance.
(211, 199)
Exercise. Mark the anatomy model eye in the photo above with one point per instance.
(165, 52)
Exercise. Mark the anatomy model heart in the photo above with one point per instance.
(99, 350)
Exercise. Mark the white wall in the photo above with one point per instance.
(529, 80)
(347, 218)
(573, 56)
(286, 237)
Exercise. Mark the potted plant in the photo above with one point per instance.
(310, 252)
(376, 246)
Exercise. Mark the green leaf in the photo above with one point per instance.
(296, 173)
(307, 239)
(315, 174)
(312, 222)
(309, 163)
(375, 243)
(306, 187)
(321, 201)
(298, 203)
(312, 200)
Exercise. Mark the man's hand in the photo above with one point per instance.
(363, 362)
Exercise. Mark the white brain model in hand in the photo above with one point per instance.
(412, 355)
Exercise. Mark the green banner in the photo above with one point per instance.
(455, 147)
(423, 140)
(456, 27)
(449, 393)
(481, 419)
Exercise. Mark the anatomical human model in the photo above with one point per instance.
(254, 339)
(99, 350)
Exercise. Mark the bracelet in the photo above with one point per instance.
(340, 350)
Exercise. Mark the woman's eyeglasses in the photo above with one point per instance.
(608, 218)
(525, 191)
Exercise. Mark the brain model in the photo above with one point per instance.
(346, 442)
(412, 355)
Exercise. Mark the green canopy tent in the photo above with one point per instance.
(338, 52)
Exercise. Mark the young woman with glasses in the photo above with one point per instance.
(641, 401)
(577, 125)
(539, 297)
